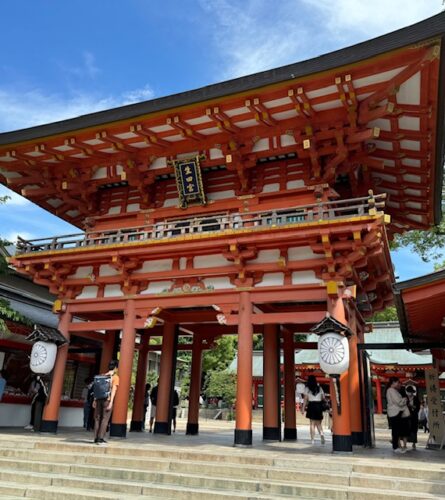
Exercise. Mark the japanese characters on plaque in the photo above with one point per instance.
(435, 415)
(189, 182)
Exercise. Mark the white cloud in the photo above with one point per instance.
(12, 236)
(90, 64)
(144, 94)
(22, 109)
(87, 67)
(344, 18)
(251, 39)
(255, 35)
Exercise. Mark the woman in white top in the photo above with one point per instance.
(395, 408)
(313, 403)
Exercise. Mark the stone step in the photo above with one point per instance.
(134, 482)
(311, 468)
(51, 493)
(28, 466)
(75, 489)
(187, 461)
(47, 486)
(398, 483)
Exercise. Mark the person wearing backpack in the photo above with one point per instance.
(104, 390)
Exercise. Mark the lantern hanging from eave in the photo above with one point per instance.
(43, 357)
(333, 352)
(333, 347)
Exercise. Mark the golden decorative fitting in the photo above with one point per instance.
(57, 306)
(331, 288)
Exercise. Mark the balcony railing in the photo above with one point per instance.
(171, 228)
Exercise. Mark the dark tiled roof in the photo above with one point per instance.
(47, 334)
(330, 324)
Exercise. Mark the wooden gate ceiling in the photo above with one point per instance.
(368, 116)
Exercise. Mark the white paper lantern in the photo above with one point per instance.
(43, 357)
(333, 351)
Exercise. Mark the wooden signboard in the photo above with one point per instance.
(435, 416)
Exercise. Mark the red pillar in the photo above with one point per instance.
(354, 386)
(195, 388)
(290, 418)
(243, 426)
(341, 423)
(271, 388)
(118, 426)
(166, 379)
(137, 419)
(107, 351)
(378, 386)
(50, 418)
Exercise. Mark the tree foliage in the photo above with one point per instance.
(6, 312)
(429, 245)
(221, 384)
(220, 357)
(388, 314)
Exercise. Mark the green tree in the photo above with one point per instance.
(388, 314)
(6, 312)
(429, 245)
(220, 357)
(221, 384)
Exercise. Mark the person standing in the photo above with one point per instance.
(405, 421)
(2, 383)
(313, 404)
(394, 409)
(414, 407)
(423, 417)
(103, 402)
(39, 394)
(87, 402)
(153, 400)
(146, 403)
(175, 408)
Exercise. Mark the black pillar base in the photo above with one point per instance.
(342, 443)
(290, 434)
(271, 434)
(161, 428)
(243, 437)
(136, 426)
(192, 429)
(358, 438)
(118, 430)
(49, 426)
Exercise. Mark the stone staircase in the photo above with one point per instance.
(54, 469)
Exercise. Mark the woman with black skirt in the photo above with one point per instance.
(313, 404)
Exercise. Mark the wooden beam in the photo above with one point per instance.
(278, 318)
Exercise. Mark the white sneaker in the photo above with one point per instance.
(29, 428)
(312, 442)
(399, 451)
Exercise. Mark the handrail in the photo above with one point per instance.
(170, 228)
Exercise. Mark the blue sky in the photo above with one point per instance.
(64, 59)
